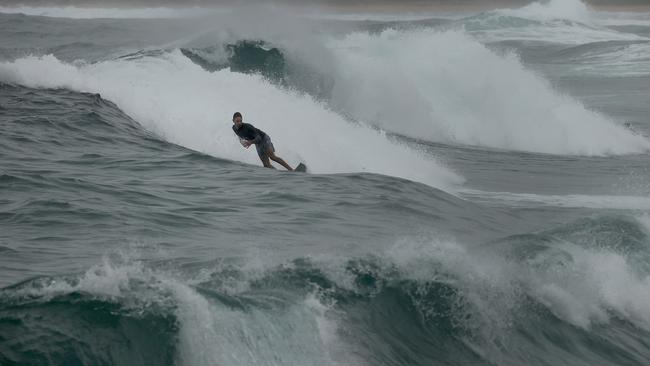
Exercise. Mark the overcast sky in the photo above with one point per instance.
(482, 3)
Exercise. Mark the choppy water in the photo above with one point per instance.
(480, 190)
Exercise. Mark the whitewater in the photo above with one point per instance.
(478, 186)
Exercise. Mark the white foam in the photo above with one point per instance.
(189, 106)
(278, 333)
(596, 282)
(450, 88)
(279, 329)
(644, 220)
(75, 12)
(575, 10)
(619, 202)
(588, 287)
(116, 278)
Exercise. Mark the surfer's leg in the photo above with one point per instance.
(266, 162)
(278, 160)
(265, 148)
(263, 154)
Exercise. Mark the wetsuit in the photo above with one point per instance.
(261, 140)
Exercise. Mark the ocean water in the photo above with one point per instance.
(479, 190)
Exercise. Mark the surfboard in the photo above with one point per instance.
(301, 168)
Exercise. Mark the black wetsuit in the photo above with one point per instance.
(261, 140)
(249, 132)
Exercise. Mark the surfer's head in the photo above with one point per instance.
(237, 119)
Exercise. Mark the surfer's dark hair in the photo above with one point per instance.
(237, 114)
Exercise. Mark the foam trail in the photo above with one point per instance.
(448, 87)
(189, 106)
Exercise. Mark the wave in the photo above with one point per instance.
(181, 102)
(89, 319)
(430, 96)
(639, 203)
(509, 301)
(270, 61)
(617, 58)
(79, 329)
(639, 21)
(447, 87)
(450, 89)
(74, 12)
(186, 323)
(611, 50)
(246, 56)
(574, 10)
(557, 21)
(387, 97)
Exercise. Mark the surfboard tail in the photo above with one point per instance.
(301, 168)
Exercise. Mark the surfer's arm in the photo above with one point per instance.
(244, 142)
(256, 140)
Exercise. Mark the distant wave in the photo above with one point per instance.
(575, 10)
(75, 12)
(639, 203)
(556, 21)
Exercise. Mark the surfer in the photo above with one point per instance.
(249, 135)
